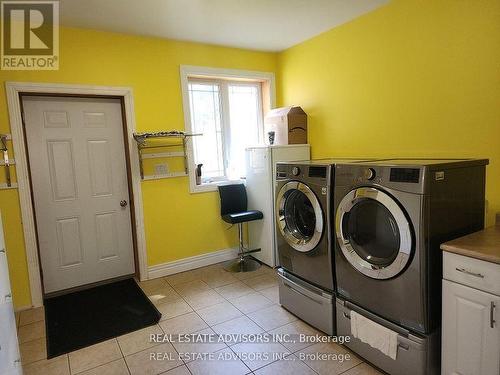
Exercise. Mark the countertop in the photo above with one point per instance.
(483, 245)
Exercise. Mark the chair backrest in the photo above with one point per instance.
(233, 199)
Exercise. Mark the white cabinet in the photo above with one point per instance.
(5, 291)
(9, 350)
(471, 322)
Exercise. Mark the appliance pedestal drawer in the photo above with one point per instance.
(417, 354)
(310, 303)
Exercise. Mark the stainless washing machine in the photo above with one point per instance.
(303, 221)
(390, 218)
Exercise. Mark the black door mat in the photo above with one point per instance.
(80, 319)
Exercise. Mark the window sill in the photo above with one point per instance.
(213, 186)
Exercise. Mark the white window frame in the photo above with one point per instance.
(200, 72)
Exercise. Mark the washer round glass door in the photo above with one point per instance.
(373, 233)
(299, 216)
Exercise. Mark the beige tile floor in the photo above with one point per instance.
(207, 301)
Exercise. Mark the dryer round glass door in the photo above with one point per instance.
(299, 216)
(373, 233)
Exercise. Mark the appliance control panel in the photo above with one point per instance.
(410, 175)
(284, 171)
(317, 171)
(410, 179)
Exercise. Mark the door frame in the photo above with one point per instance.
(14, 91)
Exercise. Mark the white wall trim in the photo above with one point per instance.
(191, 263)
(13, 91)
(187, 71)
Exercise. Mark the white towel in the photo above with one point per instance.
(374, 334)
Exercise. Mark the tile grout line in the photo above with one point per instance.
(123, 357)
(176, 316)
(209, 326)
(197, 314)
(274, 304)
(69, 365)
(305, 363)
(228, 300)
(349, 369)
(243, 314)
(184, 363)
(92, 368)
(268, 364)
(45, 359)
(251, 312)
(239, 359)
(265, 331)
(224, 321)
(227, 346)
(301, 361)
(37, 338)
(140, 351)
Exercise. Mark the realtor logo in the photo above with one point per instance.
(30, 35)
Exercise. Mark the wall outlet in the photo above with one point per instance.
(161, 169)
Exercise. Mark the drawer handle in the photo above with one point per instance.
(470, 273)
(2, 250)
(492, 314)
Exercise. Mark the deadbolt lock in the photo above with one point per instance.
(123, 203)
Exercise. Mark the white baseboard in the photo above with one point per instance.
(186, 264)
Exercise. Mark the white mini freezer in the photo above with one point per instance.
(260, 184)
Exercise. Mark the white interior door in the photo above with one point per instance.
(80, 189)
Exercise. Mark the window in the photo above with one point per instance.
(206, 119)
(229, 114)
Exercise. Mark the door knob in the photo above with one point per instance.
(123, 203)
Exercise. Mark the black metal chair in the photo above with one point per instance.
(233, 209)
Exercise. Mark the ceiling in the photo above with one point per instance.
(268, 25)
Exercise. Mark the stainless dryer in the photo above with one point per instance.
(391, 216)
(303, 221)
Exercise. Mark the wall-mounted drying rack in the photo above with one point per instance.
(160, 141)
(6, 162)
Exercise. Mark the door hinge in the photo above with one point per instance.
(492, 314)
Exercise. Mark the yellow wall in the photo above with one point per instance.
(178, 224)
(413, 78)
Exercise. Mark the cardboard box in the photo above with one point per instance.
(289, 125)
